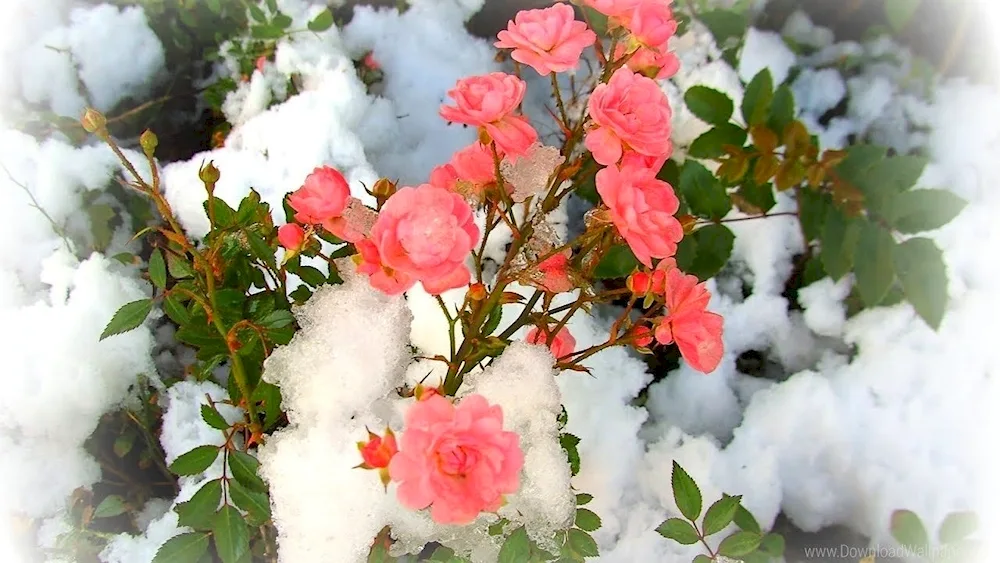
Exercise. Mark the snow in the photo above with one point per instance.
(765, 49)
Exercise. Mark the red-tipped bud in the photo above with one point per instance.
(643, 336)
(477, 292)
(292, 237)
(639, 283)
(378, 450)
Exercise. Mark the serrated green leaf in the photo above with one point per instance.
(212, 417)
(583, 498)
(745, 520)
(195, 461)
(924, 210)
(920, 266)
(760, 196)
(199, 511)
(812, 211)
(782, 109)
(281, 20)
(256, 505)
(704, 252)
(587, 520)
(720, 514)
(128, 317)
(112, 505)
(686, 492)
(873, 265)
(157, 269)
(678, 530)
(957, 526)
(224, 215)
(179, 268)
(839, 242)
(516, 548)
(493, 320)
(260, 249)
(908, 530)
(709, 105)
(724, 24)
(617, 262)
(703, 193)
(183, 548)
(311, 276)
(232, 538)
(176, 310)
(581, 543)
(256, 13)
(322, 22)
(739, 544)
(773, 544)
(278, 318)
(244, 467)
(266, 31)
(569, 443)
(757, 98)
(710, 143)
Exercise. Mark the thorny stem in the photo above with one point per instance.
(559, 100)
(451, 325)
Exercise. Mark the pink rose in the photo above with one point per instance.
(382, 278)
(613, 8)
(642, 336)
(652, 23)
(322, 196)
(354, 223)
(291, 236)
(261, 62)
(554, 272)
(562, 344)
(642, 208)
(548, 40)
(489, 101)
(470, 171)
(458, 460)
(630, 112)
(658, 64)
(654, 163)
(697, 332)
(426, 233)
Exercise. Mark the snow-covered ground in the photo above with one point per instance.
(873, 413)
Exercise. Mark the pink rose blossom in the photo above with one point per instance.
(642, 208)
(548, 40)
(426, 233)
(489, 101)
(354, 223)
(630, 112)
(323, 196)
(457, 460)
(635, 159)
(382, 278)
(562, 345)
(697, 332)
(651, 23)
(554, 272)
(469, 172)
(658, 64)
(291, 236)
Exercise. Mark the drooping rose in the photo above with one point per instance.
(548, 40)
(630, 112)
(291, 236)
(456, 459)
(382, 278)
(426, 233)
(489, 101)
(323, 196)
(642, 208)
(562, 344)
(697, 331)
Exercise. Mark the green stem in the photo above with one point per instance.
(523, 317)
(235, 362)
(559, 100)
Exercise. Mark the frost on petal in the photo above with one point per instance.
(530, 174)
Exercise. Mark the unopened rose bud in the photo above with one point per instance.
(687, 223)
(261, 61)
(383, 189)
(423, 393)
(643, 336)
(377, 452)
(477, 292)
(370, 62)
(93, 121)
(292, 237)
(639, 283)
(484, 137)
(209, 174)
(148, 142)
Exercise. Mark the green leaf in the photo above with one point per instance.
(617, 262)
(244, 467)
(773, 544)
(710, 143)
(782, 109)
(921, 270)
(958, 526)
(261, 249)
(124, 443)
(212, 417)
(686, 492)
(195, 461)
(924, 210)
(281, 20)
(860, 159)
(760, 196)
(175, 309)
(812, 211)
(101, 216)
(270, 395)
(266, 31)
(724, 24)
(256, 505)
(179, 268)
(232, 539)
(256, 13)
(322, 22)
(157, 269)
(586, 520)
(703, 192)
(199, 511)
(516, 547)
(839, 242)
(704, 252)
(569, 443)
(224, 215)
(184, 548)
(745, 520)
(702, 558)
(279, 318)
(709, 105)
(583, 498)
(581, 543)
(129, 317)
(757, 98)
(900, 12)
(720, 514)
(681, 531)
(112, 505)
(739, 544)
(908, 530)
(873, 264)
(311, 276)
